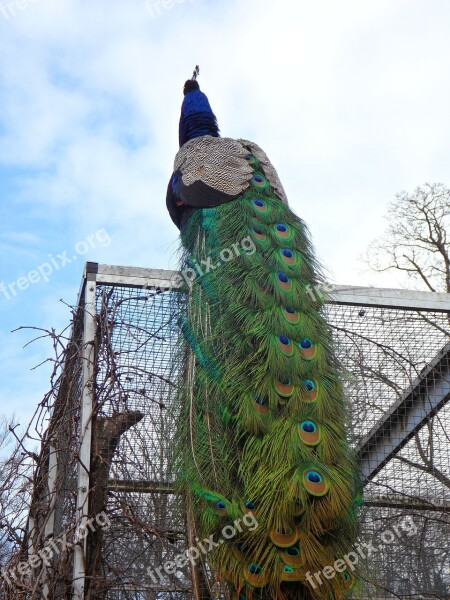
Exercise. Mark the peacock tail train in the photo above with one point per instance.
(262, 450)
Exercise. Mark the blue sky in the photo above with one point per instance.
(349, 99)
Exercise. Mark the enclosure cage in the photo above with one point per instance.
(104, 483)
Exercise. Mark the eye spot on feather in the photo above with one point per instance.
(315, 482)
(311, 390)
(248, 506)
(291, 315)
(259, 182)
(259, 233)
(309, 433)
(284, 387)
(254, 575)
(260, 206)
(284, 535)
(254, 569)
(261, 404)
(292, 556)
(310, 385)
(283, 281)
(308, 348)
(285, 345)
(221, 508)
(282, 231)
(308, 427)
(349, 580)
(239, 551)
(288, 256)
(252, 160)
(314, 477)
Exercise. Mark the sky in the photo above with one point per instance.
(349, 99)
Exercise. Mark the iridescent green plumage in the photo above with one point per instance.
(262, 428)
(261, 450)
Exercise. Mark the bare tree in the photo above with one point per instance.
(11, 504)
(416, 241)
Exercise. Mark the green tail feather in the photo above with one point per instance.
(262, 430)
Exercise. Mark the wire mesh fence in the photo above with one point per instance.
(396, 364)
(406, 516)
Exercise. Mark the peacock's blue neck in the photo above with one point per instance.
(197, 118)
(197, 125)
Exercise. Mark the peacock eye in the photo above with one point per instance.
(258, 230)
(289, 310)
(254, 569)
(221, 505)
(310, 385)
(283, 277)
(287, 253)
(293, 551)
(283, 339)
(260, 400)
(281, 227)
(258, 202)
(308, 427)
(314, 477)
(306, 343)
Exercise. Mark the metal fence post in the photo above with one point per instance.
(50, 522)
(84, 457)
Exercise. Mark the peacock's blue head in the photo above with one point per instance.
(197, 118)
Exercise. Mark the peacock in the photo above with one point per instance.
(261, 436)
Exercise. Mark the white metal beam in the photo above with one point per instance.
(84, 457)
(390, 298)
(340, 294)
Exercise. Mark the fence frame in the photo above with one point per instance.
(413, 405)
